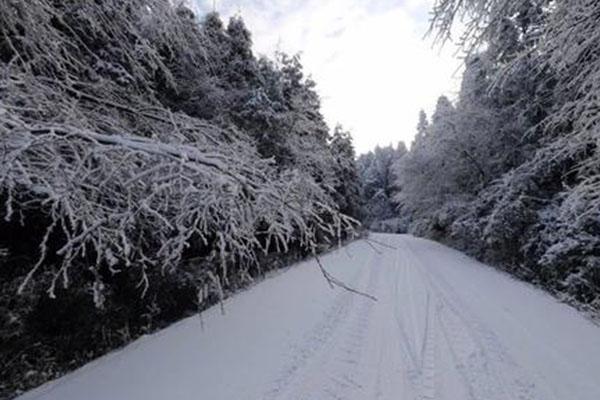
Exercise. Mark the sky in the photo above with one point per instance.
(373, 66)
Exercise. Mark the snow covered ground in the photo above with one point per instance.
(444, 327)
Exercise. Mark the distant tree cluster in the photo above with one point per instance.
(378, 185)
(151, 163)
(511, 171)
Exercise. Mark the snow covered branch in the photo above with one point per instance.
(125, 181)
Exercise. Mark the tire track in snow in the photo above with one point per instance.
(487, 370)
(428, 365)
(421, 348)
(428, 338)
(326, 365)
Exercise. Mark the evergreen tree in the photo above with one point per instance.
(422, 128)
(347, 181)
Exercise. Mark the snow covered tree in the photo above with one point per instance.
(511, 174)
(135, 185)
(144, 163)
(422, 128)
(347, 186)
(242, 66)
(378, 179)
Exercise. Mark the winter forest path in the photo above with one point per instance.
(444, 327)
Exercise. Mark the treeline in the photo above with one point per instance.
(510, 171)
(378, 177)
(151, 163)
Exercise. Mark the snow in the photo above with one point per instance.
(444, 327)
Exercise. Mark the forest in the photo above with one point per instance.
(509, 171)
(153, 165)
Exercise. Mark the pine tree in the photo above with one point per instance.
(422, 127)
(347, 181)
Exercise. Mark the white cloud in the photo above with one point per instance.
(373, 69)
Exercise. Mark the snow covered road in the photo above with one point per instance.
(444, 327)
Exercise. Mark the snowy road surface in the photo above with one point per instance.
(444, 327)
